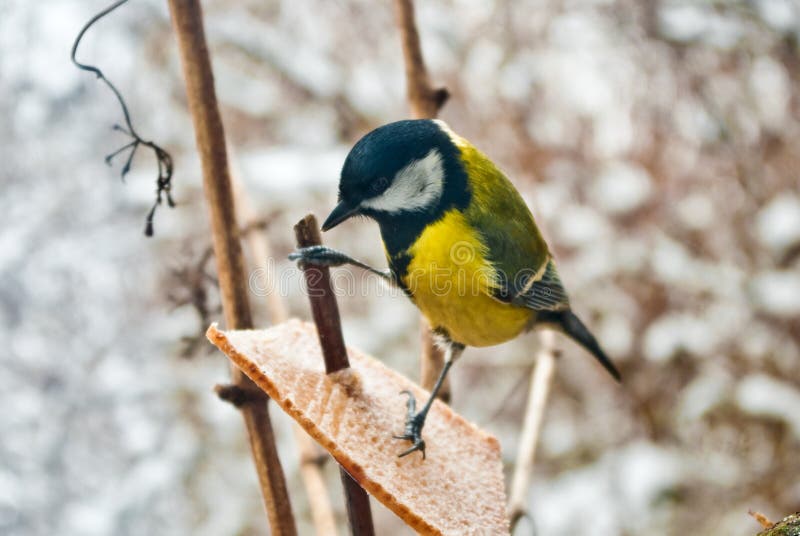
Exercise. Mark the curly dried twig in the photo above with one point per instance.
(165, 168)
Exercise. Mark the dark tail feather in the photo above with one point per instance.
(575, 329)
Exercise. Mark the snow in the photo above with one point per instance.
(691, 22)
(671, 261)
(762, 395)
(683, 22)
(676, 332)
(703, 394)
(777, 292)
(283, 173)
(580, 225)
(584, 501)
(517, 76)
(778, 223)
(780, 14)
(771, 87)
(616, 334)
(622, 187)
(696, 211)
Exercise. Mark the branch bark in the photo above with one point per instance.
(187, 21)
(541, 378)
(425, 101)
(312, 457)
(326, 317)
(431, 363)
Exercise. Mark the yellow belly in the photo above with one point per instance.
(450, 281)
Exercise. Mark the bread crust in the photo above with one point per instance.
(457, 490)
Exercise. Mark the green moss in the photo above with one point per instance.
(790, 526)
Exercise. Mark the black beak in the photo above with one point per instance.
(342, 212)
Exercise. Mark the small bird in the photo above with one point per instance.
(459, 240)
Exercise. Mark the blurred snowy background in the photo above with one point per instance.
(657, 141)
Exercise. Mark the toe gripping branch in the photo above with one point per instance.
(325, 256)
(319, 256)
(413, 429)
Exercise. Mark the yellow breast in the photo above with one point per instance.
(450, 280)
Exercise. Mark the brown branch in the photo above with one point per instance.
(329, 330)
(425, 103)
(259, 246)
(425, 100)
(541, 378)
(312, 458)
(431, 362)
(187, 20)
(238, 395)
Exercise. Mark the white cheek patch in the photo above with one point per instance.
(416, 187)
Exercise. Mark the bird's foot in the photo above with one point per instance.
(319, 256)
(413, 430)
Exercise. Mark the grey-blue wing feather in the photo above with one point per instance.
(540, 292)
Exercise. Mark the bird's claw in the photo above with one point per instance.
(419, 445)
(318, 256)
(413, 428)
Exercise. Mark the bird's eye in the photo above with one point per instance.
(379, 185)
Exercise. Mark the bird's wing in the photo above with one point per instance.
(525, 273)
(541, 292)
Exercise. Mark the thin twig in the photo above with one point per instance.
(541, 378)
(425, 102)
(424, 99)
(312, 457)
(257, 242)
(187, 20)
(329, 329)
(431, 362)
(164, 179)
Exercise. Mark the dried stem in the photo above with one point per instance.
(165, 169)
(425, 100)
(312, 457)
(425, 103)
(187, 20)
(541, 378)
(329, 329)
(431, 363)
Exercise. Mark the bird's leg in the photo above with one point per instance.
(325, 256)
(416, 420)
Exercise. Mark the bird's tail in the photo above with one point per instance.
(572, 326)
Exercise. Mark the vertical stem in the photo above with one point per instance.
(329, 330)
(431, 363)
(187, 20)
(541, 378)
(425, 103)
(312, 457)
(424, 100)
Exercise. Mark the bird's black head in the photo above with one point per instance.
(401, 174)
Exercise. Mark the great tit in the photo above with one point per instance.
(459, 241)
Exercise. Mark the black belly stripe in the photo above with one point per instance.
(398, 263)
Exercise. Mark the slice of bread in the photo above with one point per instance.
(353, 413)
